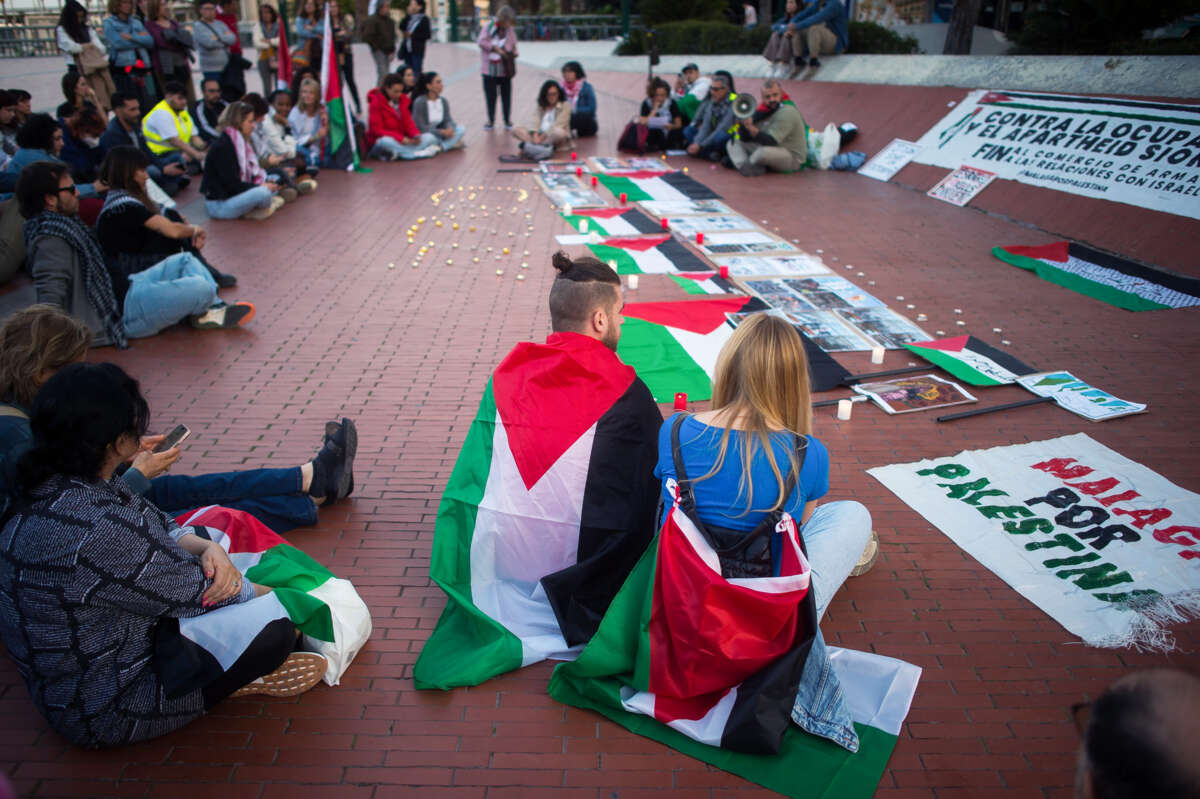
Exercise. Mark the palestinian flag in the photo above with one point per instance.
(333, 619)
(705, 283)
(971, 360)
(341, 149)
(549, 506)
(660, 186)
(284, 78)
(613, 221)
(723, 693)
(660, 254)
(1110, 278)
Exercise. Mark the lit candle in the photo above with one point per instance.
(844, 408)
(665, 224)
(724, 270)
(567, 210)
(699, 238)
(632, 282)
(583, 226)
(574, 156)
(578, 171)
(595, 181)
(680, 401)
(624, 198)
(877, 355)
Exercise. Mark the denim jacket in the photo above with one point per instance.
(820, 707)
(126, 52)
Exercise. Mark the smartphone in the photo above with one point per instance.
(174, 438)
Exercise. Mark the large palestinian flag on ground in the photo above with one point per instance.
(724, 693)
(549, 506)
(341, 148)
(1115, 280)
(674, 345)
(661, 186)
(971, 360)
(328, 611)
(635, 255)
(613, 221)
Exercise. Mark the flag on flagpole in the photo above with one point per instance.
(283, 78)
(333, 619)
(340, 148)
(722, 693)
(971, 360)
(544, 514)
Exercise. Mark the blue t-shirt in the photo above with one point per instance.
(720, 500)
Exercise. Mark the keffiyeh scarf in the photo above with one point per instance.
(248, 167)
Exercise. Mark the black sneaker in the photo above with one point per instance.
(225, 280)
(333, 468)
(814, 64)
(752, 170)
(222, 316)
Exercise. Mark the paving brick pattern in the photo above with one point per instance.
(347, 326)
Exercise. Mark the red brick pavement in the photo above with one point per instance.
(406, 350)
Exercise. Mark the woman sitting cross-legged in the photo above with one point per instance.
(552, 125)
(94, 581)
(310, 122)
(37, 341)
(391, 132)
(754, 454)
(153, 261)
(234, 183)
(582, 99)
(431, 112)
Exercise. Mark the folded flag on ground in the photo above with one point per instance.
(548, 508)
(333, 619)
(649, 255)
(723, 692)
(1111, 278)
(660, 186)
(613, 221)
(971, 360)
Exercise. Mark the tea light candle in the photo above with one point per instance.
(567, 210)
(699, 238)
(723, 271)
(844, 408)
(632, 282)
(584, 225)
(624, 198)
(595, 181)
(574, 156)
(578, 171)
(593, 237)
(665, 225)
(680, 401)
(877, 354)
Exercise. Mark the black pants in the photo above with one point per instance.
(266, 653)
(584, 124)
(490, 83)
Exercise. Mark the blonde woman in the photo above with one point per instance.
(741, 455)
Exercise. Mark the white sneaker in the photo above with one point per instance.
(264, 212)
(429, 151)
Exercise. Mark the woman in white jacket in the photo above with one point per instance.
(85, 51)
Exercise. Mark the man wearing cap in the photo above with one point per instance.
(690, 90)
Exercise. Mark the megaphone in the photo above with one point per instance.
(744, 105)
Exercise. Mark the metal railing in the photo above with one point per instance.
(568, 27)
(23, 41)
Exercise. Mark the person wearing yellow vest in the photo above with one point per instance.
(169, 128)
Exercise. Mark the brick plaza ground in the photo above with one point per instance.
(346, 326)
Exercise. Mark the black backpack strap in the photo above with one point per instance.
(687, 500)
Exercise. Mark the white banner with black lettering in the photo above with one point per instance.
(1129, 151)
(1107, 547)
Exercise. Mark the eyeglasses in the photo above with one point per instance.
(70, 189)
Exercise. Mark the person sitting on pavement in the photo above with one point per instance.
(820, 29)
(234, 184)
(710, 130)
(431, 112)
(778, 50)
(1139, 738)
(77, 91)
(551, 128)
(81, 149)
(40, 139)
(569, 522)
(206, 113)
(391, 132)
(93, 579)
(134, 231)
(24, 105)
(774, 138)
(582, 99)
(170, 131)
(310, 123)
(125, 129)
(661, 118)
(278, 169)
(278, 141)
(70, 271)
(37, 341)
(8, 125)
(691, 89)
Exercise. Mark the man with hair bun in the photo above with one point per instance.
(553, 498)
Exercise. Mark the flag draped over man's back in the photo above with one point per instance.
(549, 506)
(341, 150)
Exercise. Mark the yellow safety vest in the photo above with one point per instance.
(733, 129)
(183, 124)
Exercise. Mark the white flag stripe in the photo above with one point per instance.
(226, 632)
(879, 690)
(707, 729)
(351, 627)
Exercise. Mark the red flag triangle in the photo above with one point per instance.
(696, 316)
(1057, 251)
(640, 244)
(955, 344)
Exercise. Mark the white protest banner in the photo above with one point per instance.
(961, 185)
(1079, 397)
(890, 160)
(1107, 547)
(1130, 151)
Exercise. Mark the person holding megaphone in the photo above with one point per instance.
(772, 137)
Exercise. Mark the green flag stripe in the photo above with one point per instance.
(594, 224)
(1078, 283)
(626, 265)
(617, 184)
(688, 285)
(292, 574)
(310, 614)
(467, 646)
(960, 369)
(338, 127)
(661, 362)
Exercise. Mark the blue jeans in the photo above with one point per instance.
(689, 133)
(835, 537)
(388, 148)
(273, 496)
(239, 204)
(715, 147)
(168, 292)
(310, 152)
(452, 142)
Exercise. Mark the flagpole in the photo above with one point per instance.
(907, 370)
(1008, 406)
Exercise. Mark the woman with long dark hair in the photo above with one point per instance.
(93, 579)
(582, 99)
(172, 46)
(431, 112)
(266, 41)
(76, 91)
(234, 184)
(84, 51)
(310, 29)
(551, 128)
